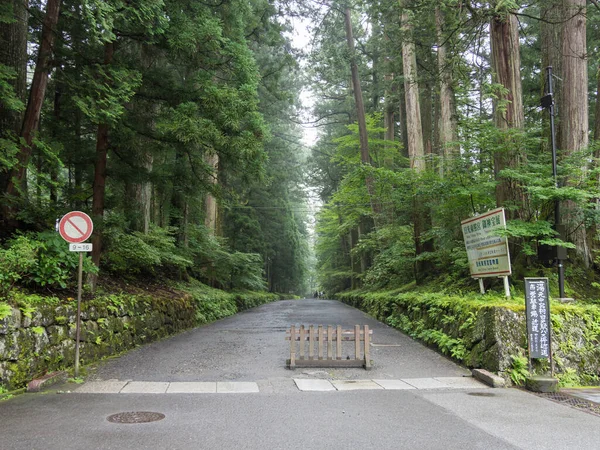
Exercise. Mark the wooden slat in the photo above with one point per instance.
(334, 337)
(329, 342)
(344, 332)
(311, 333)
(292, 347)
(367, 348)
(320, 341)
(357, 342)
(302, 338)
(338, 346)
(333, 363)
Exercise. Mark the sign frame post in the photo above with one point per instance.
(76, 227)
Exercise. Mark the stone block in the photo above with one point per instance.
(541, 384)
(489, 378)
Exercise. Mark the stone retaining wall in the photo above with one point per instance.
(36, 340)
(487, 336)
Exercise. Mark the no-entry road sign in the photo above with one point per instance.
(75, 227)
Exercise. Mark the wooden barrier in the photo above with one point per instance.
(324, 340)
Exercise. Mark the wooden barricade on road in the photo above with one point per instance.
(325, 339)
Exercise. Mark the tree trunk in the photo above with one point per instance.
(360, 112)
(573, 110)
(13, 39)
(447, 136)
(99, 189)
(36, 96)
(508, 106)
(551, 43)
(142, 194)
(210, 203)
(414, 129)
(13, 54)
(427, 121)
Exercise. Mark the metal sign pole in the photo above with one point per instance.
(78, 320)
(481, 286)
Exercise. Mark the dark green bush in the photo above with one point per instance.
(39, 259)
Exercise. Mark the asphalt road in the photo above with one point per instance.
(251, 347)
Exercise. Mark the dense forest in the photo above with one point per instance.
(430, 113)
(177, 125)
(173, 124)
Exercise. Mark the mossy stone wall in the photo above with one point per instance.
(39, 339)
(484, 335)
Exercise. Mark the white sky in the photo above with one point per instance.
(301, 39)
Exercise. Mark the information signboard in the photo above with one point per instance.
(537, 308)
(487, 252)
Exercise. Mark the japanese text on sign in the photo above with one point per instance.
(537, 306)
(487, 251)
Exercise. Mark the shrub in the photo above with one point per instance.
(137, 253)
(16, 262)
(39, 259)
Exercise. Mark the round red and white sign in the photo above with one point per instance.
(75, 227)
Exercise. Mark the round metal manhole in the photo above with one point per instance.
(135, 417)
(481, 394)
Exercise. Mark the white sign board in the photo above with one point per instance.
(487, 252)
(80, 247)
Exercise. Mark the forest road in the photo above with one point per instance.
(251, 346)
(408, 401)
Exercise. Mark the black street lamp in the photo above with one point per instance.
(561, 252)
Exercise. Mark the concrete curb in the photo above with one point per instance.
(47, 380)
(489, 378)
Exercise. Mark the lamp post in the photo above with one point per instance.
(561, 252)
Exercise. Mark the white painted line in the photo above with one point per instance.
(426, 383)
(394, 384)
(354, 385)
(313, 385)
(192, 388)
(145, 387)
(101, 387)
(462, 382)
(239, 387)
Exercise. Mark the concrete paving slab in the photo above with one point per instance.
(236, 387)
(354, 385)
(426, 383)
(198, 387)
(462, 382)
(145, 387)
(101, 387)
(521, 419)
(313, 385)
(589, 394)
(394, 384)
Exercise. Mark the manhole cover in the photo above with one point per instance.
(135, 417)
(482, 394)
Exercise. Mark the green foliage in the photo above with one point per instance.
(519, 370)
(55, 266)
(213, 304)
(137, 253)
(16, 262)
(569, 378)
(5, 310)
